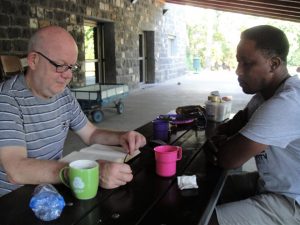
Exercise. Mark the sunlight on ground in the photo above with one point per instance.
(207, 81)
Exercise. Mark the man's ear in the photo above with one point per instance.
(32, 60)
(275, 62)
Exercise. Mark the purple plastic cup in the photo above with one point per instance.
(160, 129)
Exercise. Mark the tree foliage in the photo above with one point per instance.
(89, 42)
(214, 35)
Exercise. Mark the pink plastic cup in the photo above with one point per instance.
(166, 157)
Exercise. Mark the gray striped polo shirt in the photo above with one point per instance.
(39, 125)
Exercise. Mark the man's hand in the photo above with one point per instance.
(211, 148)
(132, 141)
(218, 140)
(113, 175)
(211, 152)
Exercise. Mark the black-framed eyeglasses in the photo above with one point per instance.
(61, 68)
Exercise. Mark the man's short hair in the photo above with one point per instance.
(271, 40)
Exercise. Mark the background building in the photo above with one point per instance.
(132, 43)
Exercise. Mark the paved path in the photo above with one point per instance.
(150, 100)
(144, 104)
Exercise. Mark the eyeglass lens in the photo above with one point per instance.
(61, 68)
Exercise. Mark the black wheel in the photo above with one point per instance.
(120, 107)
(97, 116)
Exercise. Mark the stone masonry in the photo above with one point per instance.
(19, 19)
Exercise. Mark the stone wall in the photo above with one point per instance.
(19, 19)
(172, 24)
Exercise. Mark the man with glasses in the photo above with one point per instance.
(37, 110)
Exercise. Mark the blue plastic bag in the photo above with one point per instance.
(46, 203)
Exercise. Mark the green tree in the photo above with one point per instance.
(89, 42)
(196, 37)
(220, 47)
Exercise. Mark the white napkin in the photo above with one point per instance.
(187, 182)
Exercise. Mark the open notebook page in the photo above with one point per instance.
(97, 151)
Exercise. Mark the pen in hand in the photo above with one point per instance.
(125, 158)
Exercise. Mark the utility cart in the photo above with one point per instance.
(93, 97)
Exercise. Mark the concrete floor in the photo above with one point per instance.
(151, 100)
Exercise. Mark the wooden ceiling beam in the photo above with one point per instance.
(252, 9)
(282, 3)
(277, 9)
(274, 5)
(256, 13)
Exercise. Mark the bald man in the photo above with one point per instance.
(37, 110)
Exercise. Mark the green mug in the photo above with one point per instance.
(83, 178)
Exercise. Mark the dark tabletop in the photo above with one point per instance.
(147, 199)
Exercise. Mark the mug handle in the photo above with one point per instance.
(62, 176)
(179, 153)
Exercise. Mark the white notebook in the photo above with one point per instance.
(104, 152)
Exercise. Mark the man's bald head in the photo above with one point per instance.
(51, 38)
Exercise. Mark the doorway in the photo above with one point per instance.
(99, 43)
(142, 57)
(146, 57)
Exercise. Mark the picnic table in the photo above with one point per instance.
(147, 199)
